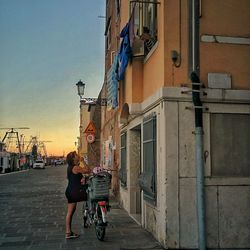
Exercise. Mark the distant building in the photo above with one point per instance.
(87, 149)
(84, 121)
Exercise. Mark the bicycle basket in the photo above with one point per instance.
(99, 187)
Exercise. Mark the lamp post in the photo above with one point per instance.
(80, 88)
(89, 100)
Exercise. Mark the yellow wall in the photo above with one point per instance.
(147, 75)
(230, 17)
(226, 18)
(137, 81)
(231, 59)
(124, 13)
(176, 38)
(153, 68)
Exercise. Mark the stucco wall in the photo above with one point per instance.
(172, 220)
(225, 18)
(154, 215)
(227, 199)
(227, 215)
(175, 23)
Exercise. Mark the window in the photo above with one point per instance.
(117, 7)
(145, 23)
(147, 179)
(230, 145)
(108, 34)
(123, 166)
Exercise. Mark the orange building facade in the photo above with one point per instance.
(148, 134)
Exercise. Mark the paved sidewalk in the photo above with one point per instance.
(32, 216)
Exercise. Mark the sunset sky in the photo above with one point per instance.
(46, 46)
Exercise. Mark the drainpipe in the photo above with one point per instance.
(194, 67)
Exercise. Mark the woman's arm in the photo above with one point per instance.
(79, 170)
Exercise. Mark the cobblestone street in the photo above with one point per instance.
(32, 215)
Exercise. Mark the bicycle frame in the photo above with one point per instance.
(95, 212)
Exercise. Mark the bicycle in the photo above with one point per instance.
(96, 207)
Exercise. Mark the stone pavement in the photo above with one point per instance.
(32, 216)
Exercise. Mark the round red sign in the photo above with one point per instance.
(90, 138)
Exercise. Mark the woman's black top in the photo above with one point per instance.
(74, 191)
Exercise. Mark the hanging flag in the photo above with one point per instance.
(125, 51)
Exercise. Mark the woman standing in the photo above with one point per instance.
(74, 191)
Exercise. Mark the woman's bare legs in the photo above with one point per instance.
(70, 212)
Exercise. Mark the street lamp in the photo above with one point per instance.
(80, 88)
(89, 100)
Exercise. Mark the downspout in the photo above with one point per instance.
(194, 69)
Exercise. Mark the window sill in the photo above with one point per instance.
(151, 52)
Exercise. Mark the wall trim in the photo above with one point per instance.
(182, 94)
(225, 39)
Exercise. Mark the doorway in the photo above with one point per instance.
(135, 170)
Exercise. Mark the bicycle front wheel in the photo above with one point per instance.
(100, 226)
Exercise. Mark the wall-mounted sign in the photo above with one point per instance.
(90, 138)
(90, 129)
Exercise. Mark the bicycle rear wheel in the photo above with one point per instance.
(100, 226)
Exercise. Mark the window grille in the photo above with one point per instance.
(145, 25)
(147, 179)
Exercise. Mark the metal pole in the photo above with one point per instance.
(200, 185)
(201, 215)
